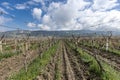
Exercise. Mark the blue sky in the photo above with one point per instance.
(60, 14)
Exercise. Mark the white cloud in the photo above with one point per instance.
(40, 26)
(43, 27)
(39, 1)
(21, 6)
(72, 15)
(31, 25)
(79, 14)
(26, 5)
(46, 19)
(2, 11)
(53, 6)
(77, 4)
(4, 20)
(75, 14)
(7, 5)
(64, 16)
(37, 12)
(30, 3)
(100, 20)
(104, 5)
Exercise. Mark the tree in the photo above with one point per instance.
(1, 40)
(107, 38)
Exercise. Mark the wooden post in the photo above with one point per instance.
(1, 48)
(23, 47)
(25, 56)
(107, 44)
(107, 38)
(94, 42)
(15, 45)
(26, 63)
(75, 41)
(26, 47)
(49, 41)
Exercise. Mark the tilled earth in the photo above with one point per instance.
(70, 67)
(110, 58)
(66, 64)
(14, 64)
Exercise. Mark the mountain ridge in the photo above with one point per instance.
(62, 33)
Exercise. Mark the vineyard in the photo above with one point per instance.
(60, 58)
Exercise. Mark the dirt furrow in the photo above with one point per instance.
(77, 65)
(14, 64)
(110, 58)
(63, 66)
(49, 72)
(80, 68)
(112, 63)
(69, 74)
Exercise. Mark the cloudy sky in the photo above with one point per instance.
(60, 14)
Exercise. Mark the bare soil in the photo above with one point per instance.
(110, 58)
(70, 66)
(13, 64)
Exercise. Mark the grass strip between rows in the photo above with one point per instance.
(109, 74)
(114, 51)
(8, 54)
(86, 58)
(36, 66)
(58, 74)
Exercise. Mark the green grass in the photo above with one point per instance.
(93, 65)
(58, 74)
(109, 74)
(7, 55)
(34, 46)
(36, 67)
(114, 51)
(87, 58)
(7, 48)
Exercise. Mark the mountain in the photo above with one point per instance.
(56, 33)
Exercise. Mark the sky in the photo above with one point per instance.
(60, 15)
